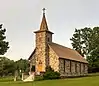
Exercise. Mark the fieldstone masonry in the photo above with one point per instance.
(72, 68)
(53, 60)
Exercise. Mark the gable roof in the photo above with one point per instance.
(32, 54)
(67, 53)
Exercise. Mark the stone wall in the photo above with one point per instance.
(78, 68)
(86, 68)
(72, 68)
(67, 66)
(32, 61)
(40, 52)
(53, 60)
(61, 66)
(82, 68)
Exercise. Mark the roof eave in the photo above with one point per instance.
(32, 54)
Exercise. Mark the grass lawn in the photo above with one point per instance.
(92, 80)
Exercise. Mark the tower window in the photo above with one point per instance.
(48, 39)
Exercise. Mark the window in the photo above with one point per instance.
(75, 67)
(48, 39)
(84, 68)
(70, 66)
(80, 67)
(64, 65)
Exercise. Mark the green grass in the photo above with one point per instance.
(92, 80)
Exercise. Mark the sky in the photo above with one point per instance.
(22, 17)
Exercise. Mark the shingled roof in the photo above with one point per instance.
(67, 53)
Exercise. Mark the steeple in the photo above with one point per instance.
(43, 37)
(43, 25)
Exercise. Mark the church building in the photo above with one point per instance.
(64, 60)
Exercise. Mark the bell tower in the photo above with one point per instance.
(43, 37)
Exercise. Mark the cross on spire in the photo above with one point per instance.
(43, 25)
(43, 10)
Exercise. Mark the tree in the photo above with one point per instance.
(77, 41)
(22, 65)
(7, 66)
(3, 44)
(81, 40)
(86, 42)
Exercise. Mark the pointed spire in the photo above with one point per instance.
(43, 25)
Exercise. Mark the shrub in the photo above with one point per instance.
(38, 78)
(51, 74)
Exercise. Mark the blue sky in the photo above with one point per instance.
(22, 17)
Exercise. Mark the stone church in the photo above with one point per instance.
(64, 60)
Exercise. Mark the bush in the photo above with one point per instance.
(51, 74)
(93, 69)
(38, 78)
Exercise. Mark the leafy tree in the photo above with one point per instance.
(3, 44)
(77, 41)
(81, 40)
(7, 66)
(86, 42)
(22, 65)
